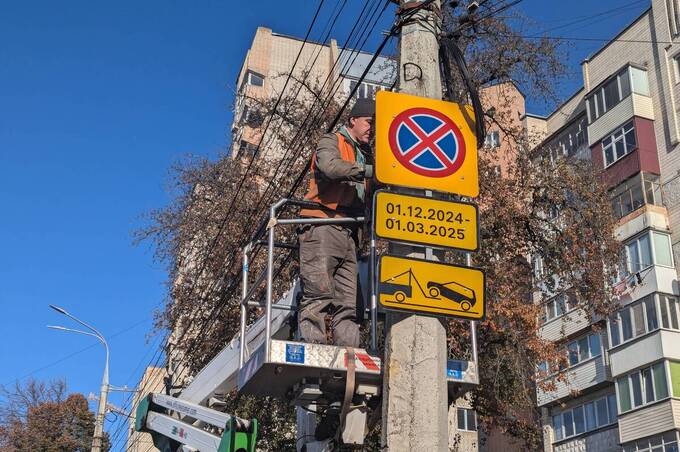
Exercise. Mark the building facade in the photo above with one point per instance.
(152, 381)
(270, 63)
(623, 375)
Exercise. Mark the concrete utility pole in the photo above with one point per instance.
(415, 399)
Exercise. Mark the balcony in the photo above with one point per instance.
(634, 105)
(603, 440)
(651, 420)
(564, 326)
(655, 278)
(637, 203)
(648, 216)
(644, 350)
(620, 97)
(582, 376)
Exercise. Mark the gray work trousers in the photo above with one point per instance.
(328, 272)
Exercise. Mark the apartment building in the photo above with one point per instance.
(269, 61)
(623, 388)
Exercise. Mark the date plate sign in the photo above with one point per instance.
(426, 221)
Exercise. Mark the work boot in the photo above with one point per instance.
(330, 422)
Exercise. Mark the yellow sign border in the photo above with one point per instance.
(389, 171)
(433, 312)
(376, 227)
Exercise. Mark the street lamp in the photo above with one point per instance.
(98, 437)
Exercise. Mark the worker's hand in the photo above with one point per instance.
(368, 171)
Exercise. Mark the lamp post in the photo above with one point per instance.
(98, 437)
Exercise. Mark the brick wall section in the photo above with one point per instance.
(510, 109)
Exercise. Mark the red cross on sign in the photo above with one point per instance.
(425, 143)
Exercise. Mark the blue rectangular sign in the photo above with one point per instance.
(295, 353)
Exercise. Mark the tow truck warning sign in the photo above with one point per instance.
(417, 285)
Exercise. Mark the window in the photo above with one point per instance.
(568, 421)
(675, 378)
(669, 311)
(676, 67)
(569, 141)
(641, 189)
(650, 314)
(650, 248)
(583, 349)
(639, 83)
(492, 139)
(673, 15)
(668, 442)
(559, 305)
(365, 90)
(642, 387)
(638, 254)
(634, 320)
(246, 148)
(611, 92)
(467, 420)
(621, 142)
(614, 90)
(537, 265)
(585, 418)
(591, 418)
(557, 426)
(254, 79)
(662, 249)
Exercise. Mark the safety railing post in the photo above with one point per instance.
(372, 275)
(244, 306)
(270, 280)
(473, 323)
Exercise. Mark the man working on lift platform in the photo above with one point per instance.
(328, 253)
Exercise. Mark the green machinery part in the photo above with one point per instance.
(233, 440)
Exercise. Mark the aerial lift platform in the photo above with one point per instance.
(263, 360)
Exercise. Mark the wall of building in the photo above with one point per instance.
(656, 418)
(657, 58)
(509, 106)
(566, 112)
(152, 381)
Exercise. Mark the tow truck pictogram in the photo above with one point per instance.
(453, 291)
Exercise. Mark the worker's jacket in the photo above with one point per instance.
(335, 175)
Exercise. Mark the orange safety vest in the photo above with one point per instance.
(332, 194)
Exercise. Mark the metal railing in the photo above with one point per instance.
(267, 275)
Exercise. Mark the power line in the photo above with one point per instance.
(309, 30)
(361, 78)
(589, 18)
(332, 95)
(235, 281)
(581, 38)
(77, 352)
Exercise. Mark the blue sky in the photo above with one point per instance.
(97, 100)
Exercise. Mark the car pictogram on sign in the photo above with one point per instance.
(427, 142)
